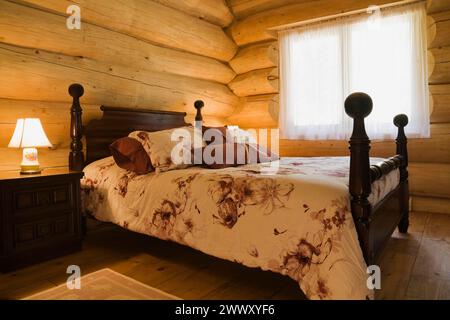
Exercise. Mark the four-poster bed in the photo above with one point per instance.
(374, 222)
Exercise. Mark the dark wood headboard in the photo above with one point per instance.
(116, 123)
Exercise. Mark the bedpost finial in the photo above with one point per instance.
(401, 120)
(358, 105)
(199, 104)
(76, 90)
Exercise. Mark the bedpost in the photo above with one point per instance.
(198, 143)
(199, 104)
(76, 156)
(358, 106)
(401, 121)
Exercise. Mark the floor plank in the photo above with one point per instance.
(438, 227)
(414, 266)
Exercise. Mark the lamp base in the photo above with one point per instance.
(30, 170)
(30, 163)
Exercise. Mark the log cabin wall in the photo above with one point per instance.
(257, 82)
(157, 54)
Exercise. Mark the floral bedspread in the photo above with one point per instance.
(293, 219)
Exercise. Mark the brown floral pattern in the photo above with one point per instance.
(233, 195)
(286, 219)
(159, 147)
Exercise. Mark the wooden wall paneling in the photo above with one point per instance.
(255, 82)
(153, 22)
(430, 179)
(214, 11)
(244, 8)
(439, 30)
(37, 77)
(440, 68)
(48, 112)
(429, 204)
(434, 6)
(260, 56)
(441, 103)
(257, 112)
(434, 150)
(442, 129)
(209, 121)
(255, 28)
(24, 26)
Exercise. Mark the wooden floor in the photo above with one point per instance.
(416, 266)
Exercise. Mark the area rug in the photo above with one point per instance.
(104, 284)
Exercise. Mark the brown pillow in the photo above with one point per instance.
(129, 154)
(221, 130)
(259, 154)
(239, 155)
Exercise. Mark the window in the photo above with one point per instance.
(383, 55)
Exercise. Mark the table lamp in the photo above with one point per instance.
(29, 135)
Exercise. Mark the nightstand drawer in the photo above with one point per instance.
(33, 234)
(53, 197)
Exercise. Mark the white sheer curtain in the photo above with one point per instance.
(383, 55)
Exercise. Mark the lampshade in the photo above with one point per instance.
(29, 134)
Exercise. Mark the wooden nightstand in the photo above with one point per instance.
(39, 216)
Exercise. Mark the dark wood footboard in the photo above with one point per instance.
(375, 224)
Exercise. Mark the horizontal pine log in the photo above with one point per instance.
(256, 82)
(434, 150)
(210, 121)
(441, 103)
(440, 55)
(214, 11)
(48, 112)
(34, 78)
(439, 31)
(440, 129)
(153, 22)
(429, 179)
(441, 110)
(257, 112)
(255, 28)
(260, 56)
(28, 27)
(439, 69)
(435, 6)
(430, 204)
(244, 8)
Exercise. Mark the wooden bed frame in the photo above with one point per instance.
(374, 224)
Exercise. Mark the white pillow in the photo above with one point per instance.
(166, 154)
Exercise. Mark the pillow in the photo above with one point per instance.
(213, 133)
(164, 153)
(225, 160)
(243, 153)
(129, 154)
(259, 154)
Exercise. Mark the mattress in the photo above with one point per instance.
(291, 216)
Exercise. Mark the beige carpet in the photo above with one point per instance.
(104, 284)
